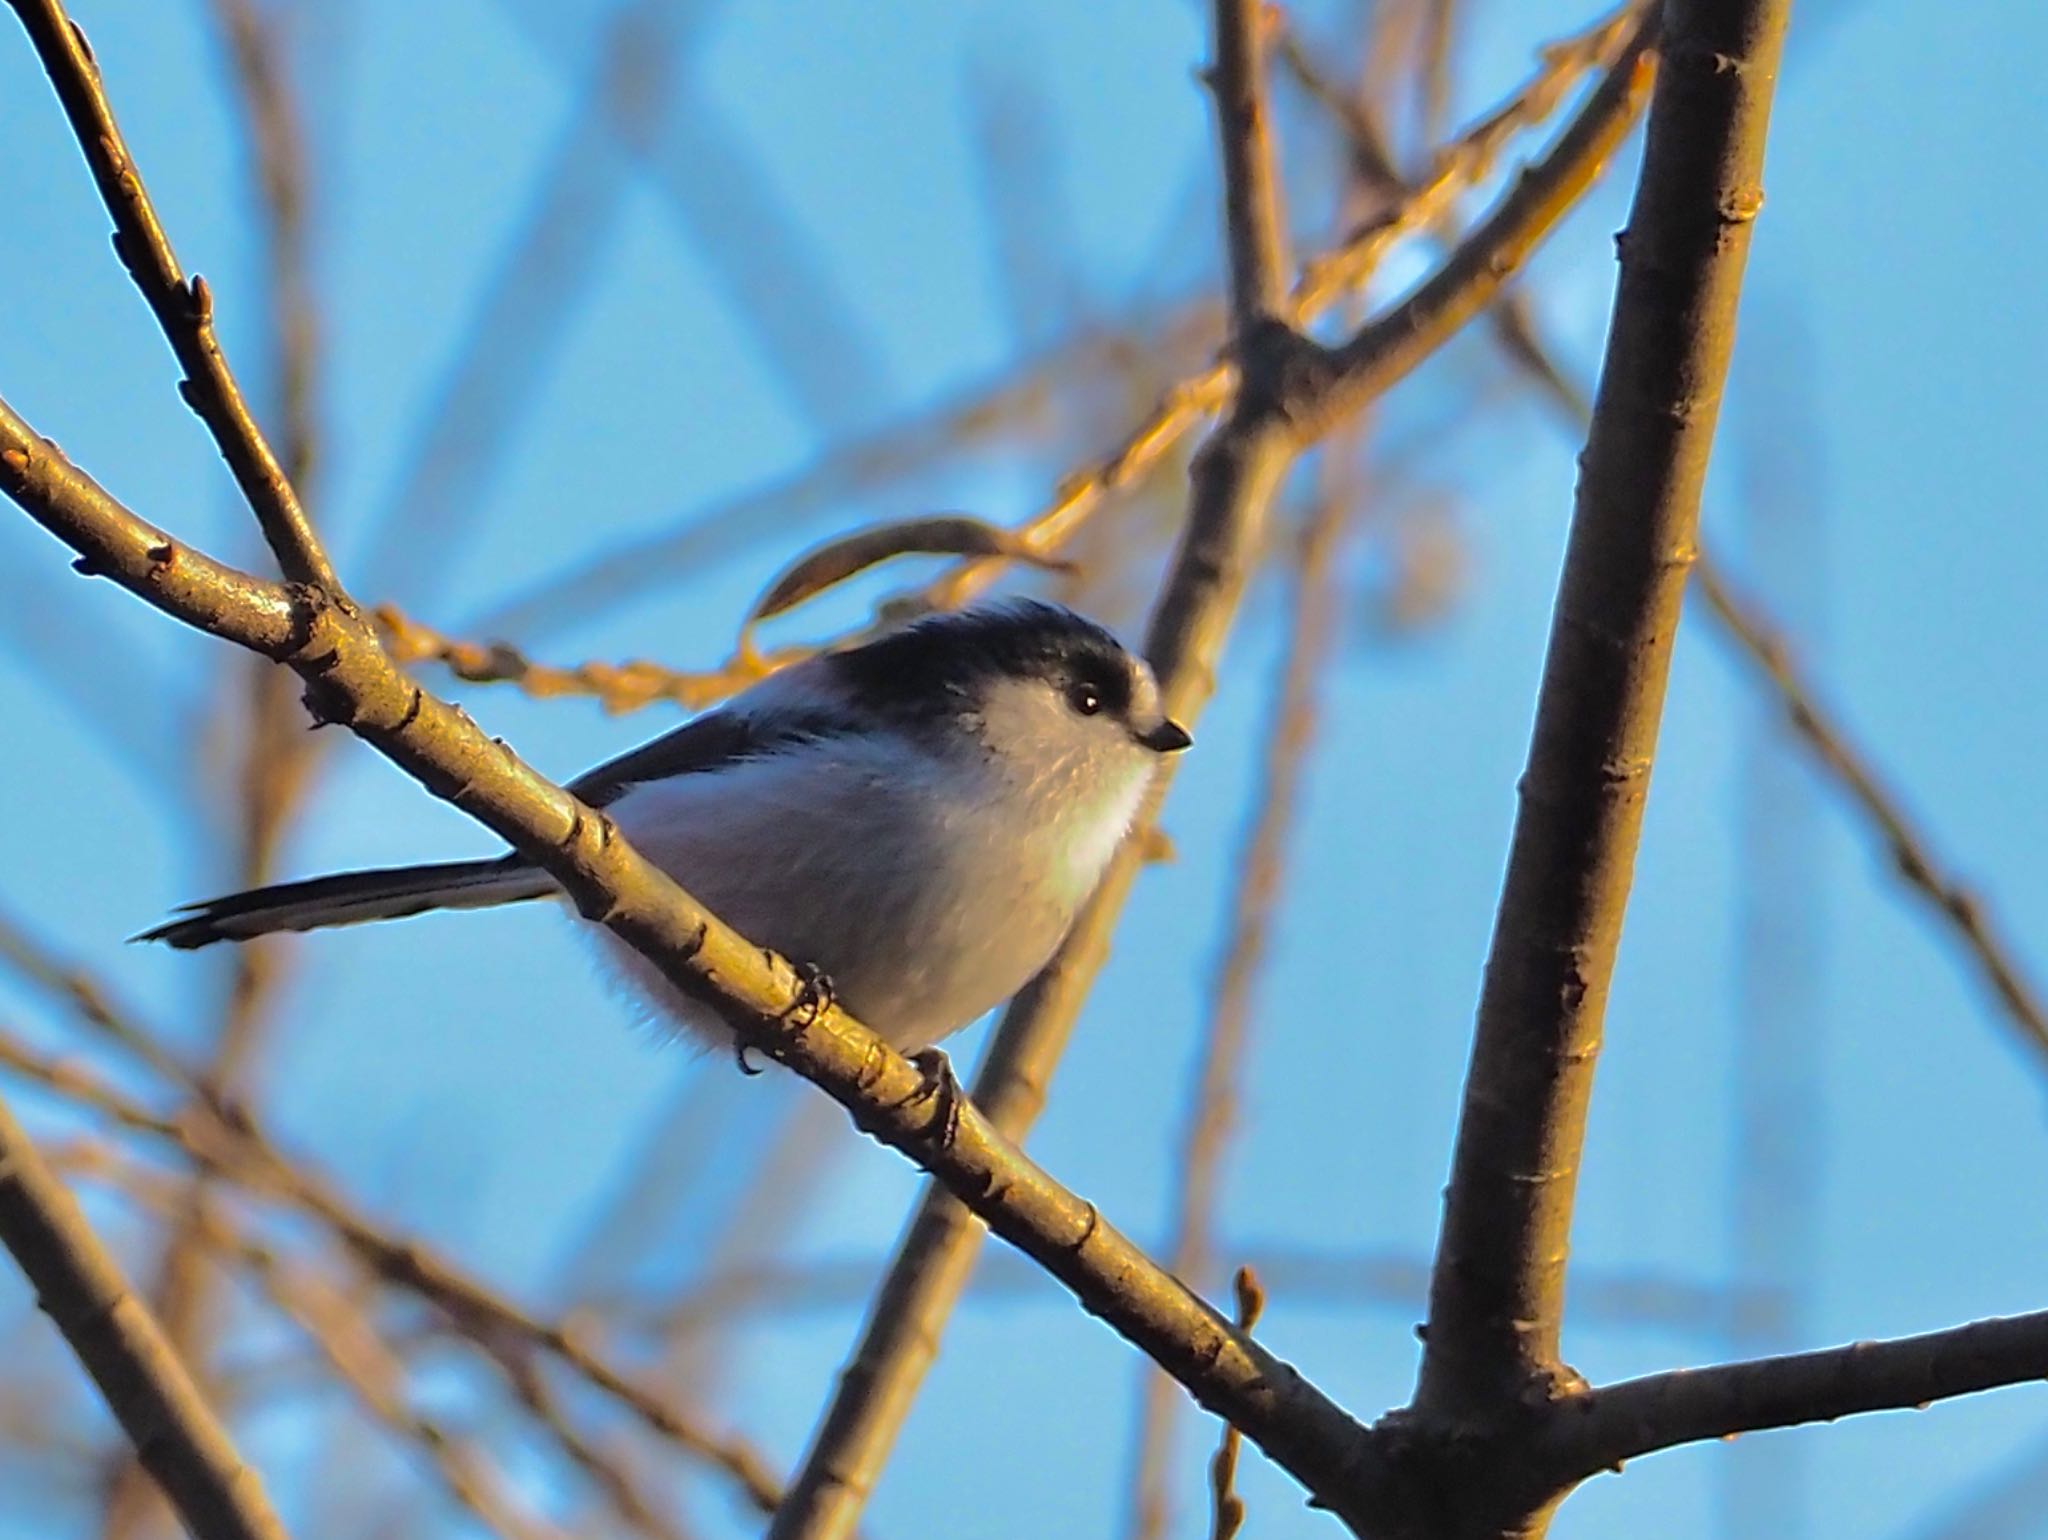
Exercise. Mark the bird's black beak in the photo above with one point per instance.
(1169, 737)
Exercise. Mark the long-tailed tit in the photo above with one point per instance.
(918, 819)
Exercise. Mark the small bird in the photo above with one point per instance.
(916, 820)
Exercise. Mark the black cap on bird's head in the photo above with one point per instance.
(943, 666)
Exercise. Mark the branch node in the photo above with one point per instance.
(1743, 204)
(941, 1087)
(412, 710)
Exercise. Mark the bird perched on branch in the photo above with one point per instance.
(917, 819)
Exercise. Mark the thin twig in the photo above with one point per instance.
(1254, 218)
(609, 1475)
(1912, 853)
(1324, 1278)
(1597, 1429)
(618, 687)
(81, 1288)
(79, 991)
(1433, 96)
(375, 1377)
(184, 310)
(1226, 1508)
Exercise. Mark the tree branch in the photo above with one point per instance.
(1497, 1294)
(1480, 266)
(184, 310)
(80, 1287)
(1918, 864)
(1211, 1114)
(274, 755)
(350, 681)
(1598, 1429)
(1254, 217)
(234, 1147)
(1233, 483)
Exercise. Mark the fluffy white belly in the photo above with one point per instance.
(915, 898)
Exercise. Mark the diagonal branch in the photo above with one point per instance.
(274, 756)
(1323, 279)
(1597, 1430)
(1919, 865)
(80, 1286)
(356, 1355)
(1497, 1296)
(1232, 487)
(1479, 267)
(1212, 1105)
(233, 1146)
(184, 310)
(351, 681)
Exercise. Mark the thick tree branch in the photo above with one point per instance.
(1597, 1430)
(184, 310)
(81, 1289)
(1498, 1292)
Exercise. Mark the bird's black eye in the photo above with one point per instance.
(1084, 698)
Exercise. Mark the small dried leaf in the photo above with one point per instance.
(944, 534)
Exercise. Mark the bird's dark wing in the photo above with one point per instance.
(714, 741)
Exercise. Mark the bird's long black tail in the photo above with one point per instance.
(350, 898)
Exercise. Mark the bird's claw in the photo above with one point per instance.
(942, 1086)
(814, 997)
(814, 994)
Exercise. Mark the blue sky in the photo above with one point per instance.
(1880, 411)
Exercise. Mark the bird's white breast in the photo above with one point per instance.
(929, 888)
